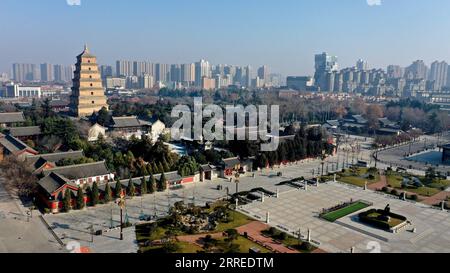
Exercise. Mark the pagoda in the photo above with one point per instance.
(88, 94)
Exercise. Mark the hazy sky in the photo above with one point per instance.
(284, 34)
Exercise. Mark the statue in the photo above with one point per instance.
(387, 210)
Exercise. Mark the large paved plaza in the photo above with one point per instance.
(298, 210)
(294, 210)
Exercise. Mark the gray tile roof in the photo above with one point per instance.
(133, 121)
(207, 167)
(53, 182)
(231, 162)
(333, 122)
(12, 117)
(38, 161)
(25, 131)
(81, 171)
(14, 145)
(359, 119)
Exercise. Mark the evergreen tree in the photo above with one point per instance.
(155, 168)
(118, 188)
(165, 166)
(108, 193)
(160, 167)
(162, 183)
(149, 169)
(131, 189)
(67, 200)
(144, 189)
(80, 199)
(151, 184)
(94, 194)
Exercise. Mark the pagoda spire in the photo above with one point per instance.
(86, 49)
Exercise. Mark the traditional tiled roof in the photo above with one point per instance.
(53, 181)
(37, 161)
(12, 117)
(80, 171)
(207, 167)
(25, 131)
(333, 123)
(359, 119)
(231, 162)
(14, 145)
(132, 121)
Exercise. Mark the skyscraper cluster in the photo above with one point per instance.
(395, 80)
(201, 74)
(23, 72)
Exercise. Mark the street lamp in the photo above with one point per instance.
(121, 203)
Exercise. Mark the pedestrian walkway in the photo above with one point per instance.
(380, 184)
(254, 230)
(437, 198)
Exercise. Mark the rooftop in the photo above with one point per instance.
(14, 145)
(25, 131)
(74, 172)
(12, 117)
(53, 181)
(131, 121)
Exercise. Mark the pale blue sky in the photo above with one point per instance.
(285, 34)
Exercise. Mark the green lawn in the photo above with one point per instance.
(356, 177)
(395, 181)
(245, 245)
(188, 248)
(337, 214)
(238, 219)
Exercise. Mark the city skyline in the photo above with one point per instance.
(190, 31)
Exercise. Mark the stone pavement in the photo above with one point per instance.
(18, 234)
(298, 210)
(254, 230)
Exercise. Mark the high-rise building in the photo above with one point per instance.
(175, 73)
(188, 73)
(47, 73)
(162, 73)
(88, 94)
(362, 65)
(417, 71)
(395, 72)
(247, 77)
(263, 73)
(438, 74)
(124, 68)
(146, 81)
(324, 64)
(202, 69)
(106, 71)
(25, 72)
(141, 68)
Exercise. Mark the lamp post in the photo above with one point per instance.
(121, 203)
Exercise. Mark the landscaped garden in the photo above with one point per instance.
(428, 185)
(343, 210)
(382, 219)
(289, 241)
(162, 235)
(359, 176)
